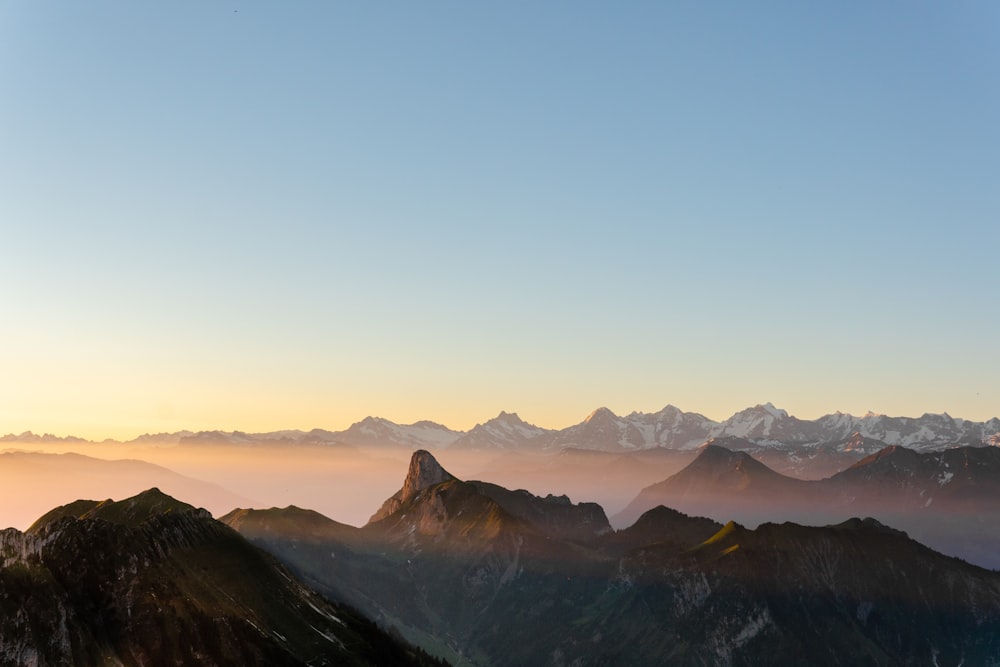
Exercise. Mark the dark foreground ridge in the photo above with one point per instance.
(487, 576)
(153, 581)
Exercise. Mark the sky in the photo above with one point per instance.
(261, 216)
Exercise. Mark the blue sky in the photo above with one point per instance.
(256, 216)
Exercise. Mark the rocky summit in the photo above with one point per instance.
(424, 472)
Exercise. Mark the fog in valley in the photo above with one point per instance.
(349, 483)
(345, 483)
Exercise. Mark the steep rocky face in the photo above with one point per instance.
(424, 473)
(152, 581)
(435, 510)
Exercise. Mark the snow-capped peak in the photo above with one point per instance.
(601, 413)
(777, 413)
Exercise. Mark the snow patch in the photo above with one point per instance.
(753, 627)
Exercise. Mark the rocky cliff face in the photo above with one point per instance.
(424, 473)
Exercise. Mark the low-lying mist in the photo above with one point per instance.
(343, 482)
(349, 484)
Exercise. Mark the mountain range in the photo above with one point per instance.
(949, 499)
(483, 575)
(479, 574)
(761, 425)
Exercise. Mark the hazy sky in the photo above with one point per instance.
(291, 215)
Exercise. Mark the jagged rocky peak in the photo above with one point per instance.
(506, 421)
(777, 412)
(765, 409)
(600, 415)
(424, 472)
(674, 415)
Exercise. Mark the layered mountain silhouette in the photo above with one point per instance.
(153, 581)
(483, 575)
(948, 499)
(723, 482)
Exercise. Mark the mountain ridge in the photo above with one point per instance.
(151, 580)
(464, 567)
(947, 499)
(672, 428)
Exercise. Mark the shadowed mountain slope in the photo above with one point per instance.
(949, 500)
(153, 581)
(963, 478)
(849, 594)
(718, 482)
(462, 569)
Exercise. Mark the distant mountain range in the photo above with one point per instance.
(949, 500)
(483, 575)
(762, 426)
(895, 479)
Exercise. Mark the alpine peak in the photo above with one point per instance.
(770, 409)
(600, 414)
(424, 472)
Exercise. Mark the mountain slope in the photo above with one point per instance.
(949, 500)
(849, 594)
(963, 478)
(153, 581)
(441, 552)
(463, 569)
(503, 432)
(718, 482)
